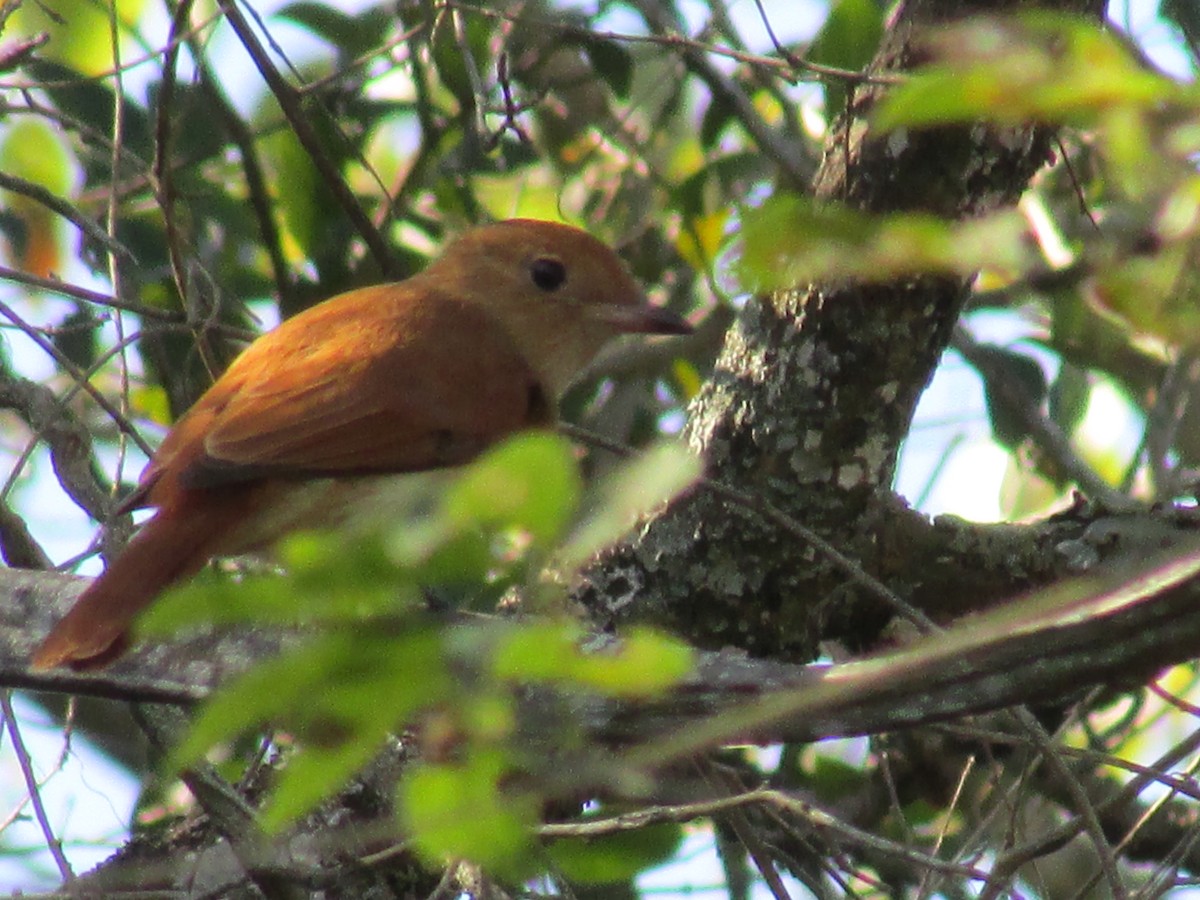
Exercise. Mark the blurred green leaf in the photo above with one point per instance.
(790, 241)
(91, 103)
(463, 557)
(260, 695)
(76, 337)
(642, 664)
(317, 773)
(341, 693)
(460, 811)
(302, 199)
(847, 40)
(921, 812)
(1037, 66)
(1013, 383)
(700, 240)
(531, 481)
(613, 63)
(330, 576)
(687, 379)
(718, 114)
(615, 857)
(353, 35)
(435, 529)
(1156, 288)
(80, 31)
(634, 489)
(34, 152)
(833, 780)
(197, 126)
(1069, 395)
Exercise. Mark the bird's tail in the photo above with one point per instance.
(171, 546)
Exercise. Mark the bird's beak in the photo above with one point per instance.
(643, 319)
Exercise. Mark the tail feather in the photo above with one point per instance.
(171, 546)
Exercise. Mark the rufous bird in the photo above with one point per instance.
(408, 377)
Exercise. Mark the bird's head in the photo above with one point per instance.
(561, 293)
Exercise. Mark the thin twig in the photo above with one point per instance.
(686, 812)
(78, 376)
(115, 275)
(56, 204)
(25, 763)
(679, 42)
(746, 834)
(53, 285)
(118, 68)
(1058, 837)
(307, 135)
(315, 85)
(1046, 434)
(161, 179)
(1085, 808)
(725, 90)
(257, 190)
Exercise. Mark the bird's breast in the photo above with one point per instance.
(333, 503)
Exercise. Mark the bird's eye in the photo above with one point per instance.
(548, 273)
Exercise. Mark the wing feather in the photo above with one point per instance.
(389, 379)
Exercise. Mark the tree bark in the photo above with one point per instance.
(810, 399)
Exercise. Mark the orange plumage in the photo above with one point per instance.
(398, 378)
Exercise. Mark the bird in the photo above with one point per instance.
(413, 376)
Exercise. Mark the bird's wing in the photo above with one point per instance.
(386, 380)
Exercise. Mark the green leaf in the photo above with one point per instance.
(352, 35)
(1186, 15)
(315, 774)
(197, 131)
(463, 558)
(847, 40)
(613, 63)
(530, 481)
(302, 199)
(260, 695)
(330, 576)
(33, 151)
(615, 857)
(700, 239)
(791, 241)
(1037, 66)
(1014, 382)
(833, 780)
(80, 31)
(718, 114)
(76, 337)
(91, 102)
(1069, 396)
(642, 664)
(459, 811)
(629, 493)
(1157, 290)
(428, 529)
(341, 693)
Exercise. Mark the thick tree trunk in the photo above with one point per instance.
(811, 397)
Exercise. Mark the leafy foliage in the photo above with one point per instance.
(382, 664)
(175, 208)
(790, 240)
